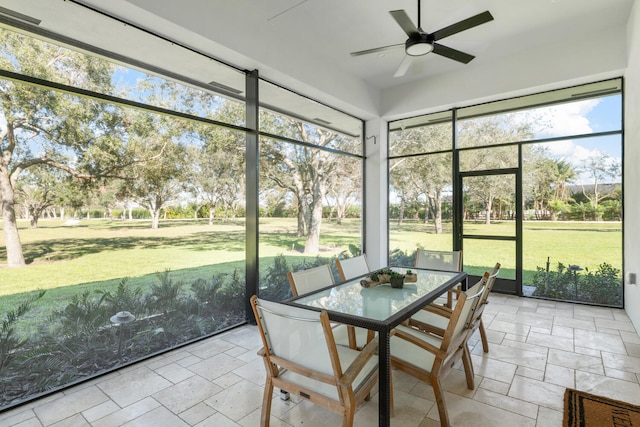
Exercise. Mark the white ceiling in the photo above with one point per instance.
(326, 31)
(305, 44)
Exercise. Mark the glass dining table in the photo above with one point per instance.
(380, 308)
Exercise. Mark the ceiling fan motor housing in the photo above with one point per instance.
(418, 46)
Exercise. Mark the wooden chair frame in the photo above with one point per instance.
(314, 278)
(446, 350)
(298, 280)
(342, 377)
(434, 324)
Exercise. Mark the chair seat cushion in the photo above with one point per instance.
(409, 353)
(432, 319)
(347, 356)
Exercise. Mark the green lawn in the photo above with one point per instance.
(97, 254)
(586, 244)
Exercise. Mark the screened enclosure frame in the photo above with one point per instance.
(251, 130)
(604, 88)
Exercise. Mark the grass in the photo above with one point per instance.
(99, 253)
(95, 255)
(586, 244)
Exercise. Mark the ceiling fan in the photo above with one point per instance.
(420, 43)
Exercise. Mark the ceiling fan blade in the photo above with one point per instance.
(450, 53)
(465, 24)
(404, 66)
(404, 21)
(378, 49)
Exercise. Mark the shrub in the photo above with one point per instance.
(79, 340)
(602, 287)
(400, 258)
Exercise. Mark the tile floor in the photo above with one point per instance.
(537, 348)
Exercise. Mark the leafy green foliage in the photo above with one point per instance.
(602, 287)
(400, 258)
(79, 340)
(164, 296)
(124, 298)
(9, 341)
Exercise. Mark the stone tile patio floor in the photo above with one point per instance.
(537, 349)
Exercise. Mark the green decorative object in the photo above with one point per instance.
(397, 280)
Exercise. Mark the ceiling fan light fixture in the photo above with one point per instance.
(417, 47)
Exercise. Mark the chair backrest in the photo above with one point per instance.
(438, 260)
(352, 267)
(460, 320)
(491, 276)
(311, 279)
(295, 336)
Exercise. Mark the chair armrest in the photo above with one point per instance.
(426, 327)
(359, 362)
(418, 342)
(440, 310)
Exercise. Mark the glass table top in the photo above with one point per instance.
(379, 302)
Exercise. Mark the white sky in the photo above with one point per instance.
(568, 119)
(571, 119)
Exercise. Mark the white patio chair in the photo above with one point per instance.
(349, 268)
(440, 260)
(301, 356)
(312, 279)
(435, 318)
(429, 357)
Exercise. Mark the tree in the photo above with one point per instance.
(216, 173)
(217, 178)
(106, 197)
(37, 191)
(563, 174)
(43, 127)
(492, 131)
(425, 178)
(540, 181)
(344, 187)
(158, 180)
(304, 170)
(73, 193)
(400, 184)
(599, 166)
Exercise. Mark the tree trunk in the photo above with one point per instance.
(15, 257)
(34, 216)
(312, 244)
(226, 212)
(437, 217)
(487, 219)
(301, 219)
(401, 211)
(155, 218)
(211, 208)
(427, 208)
